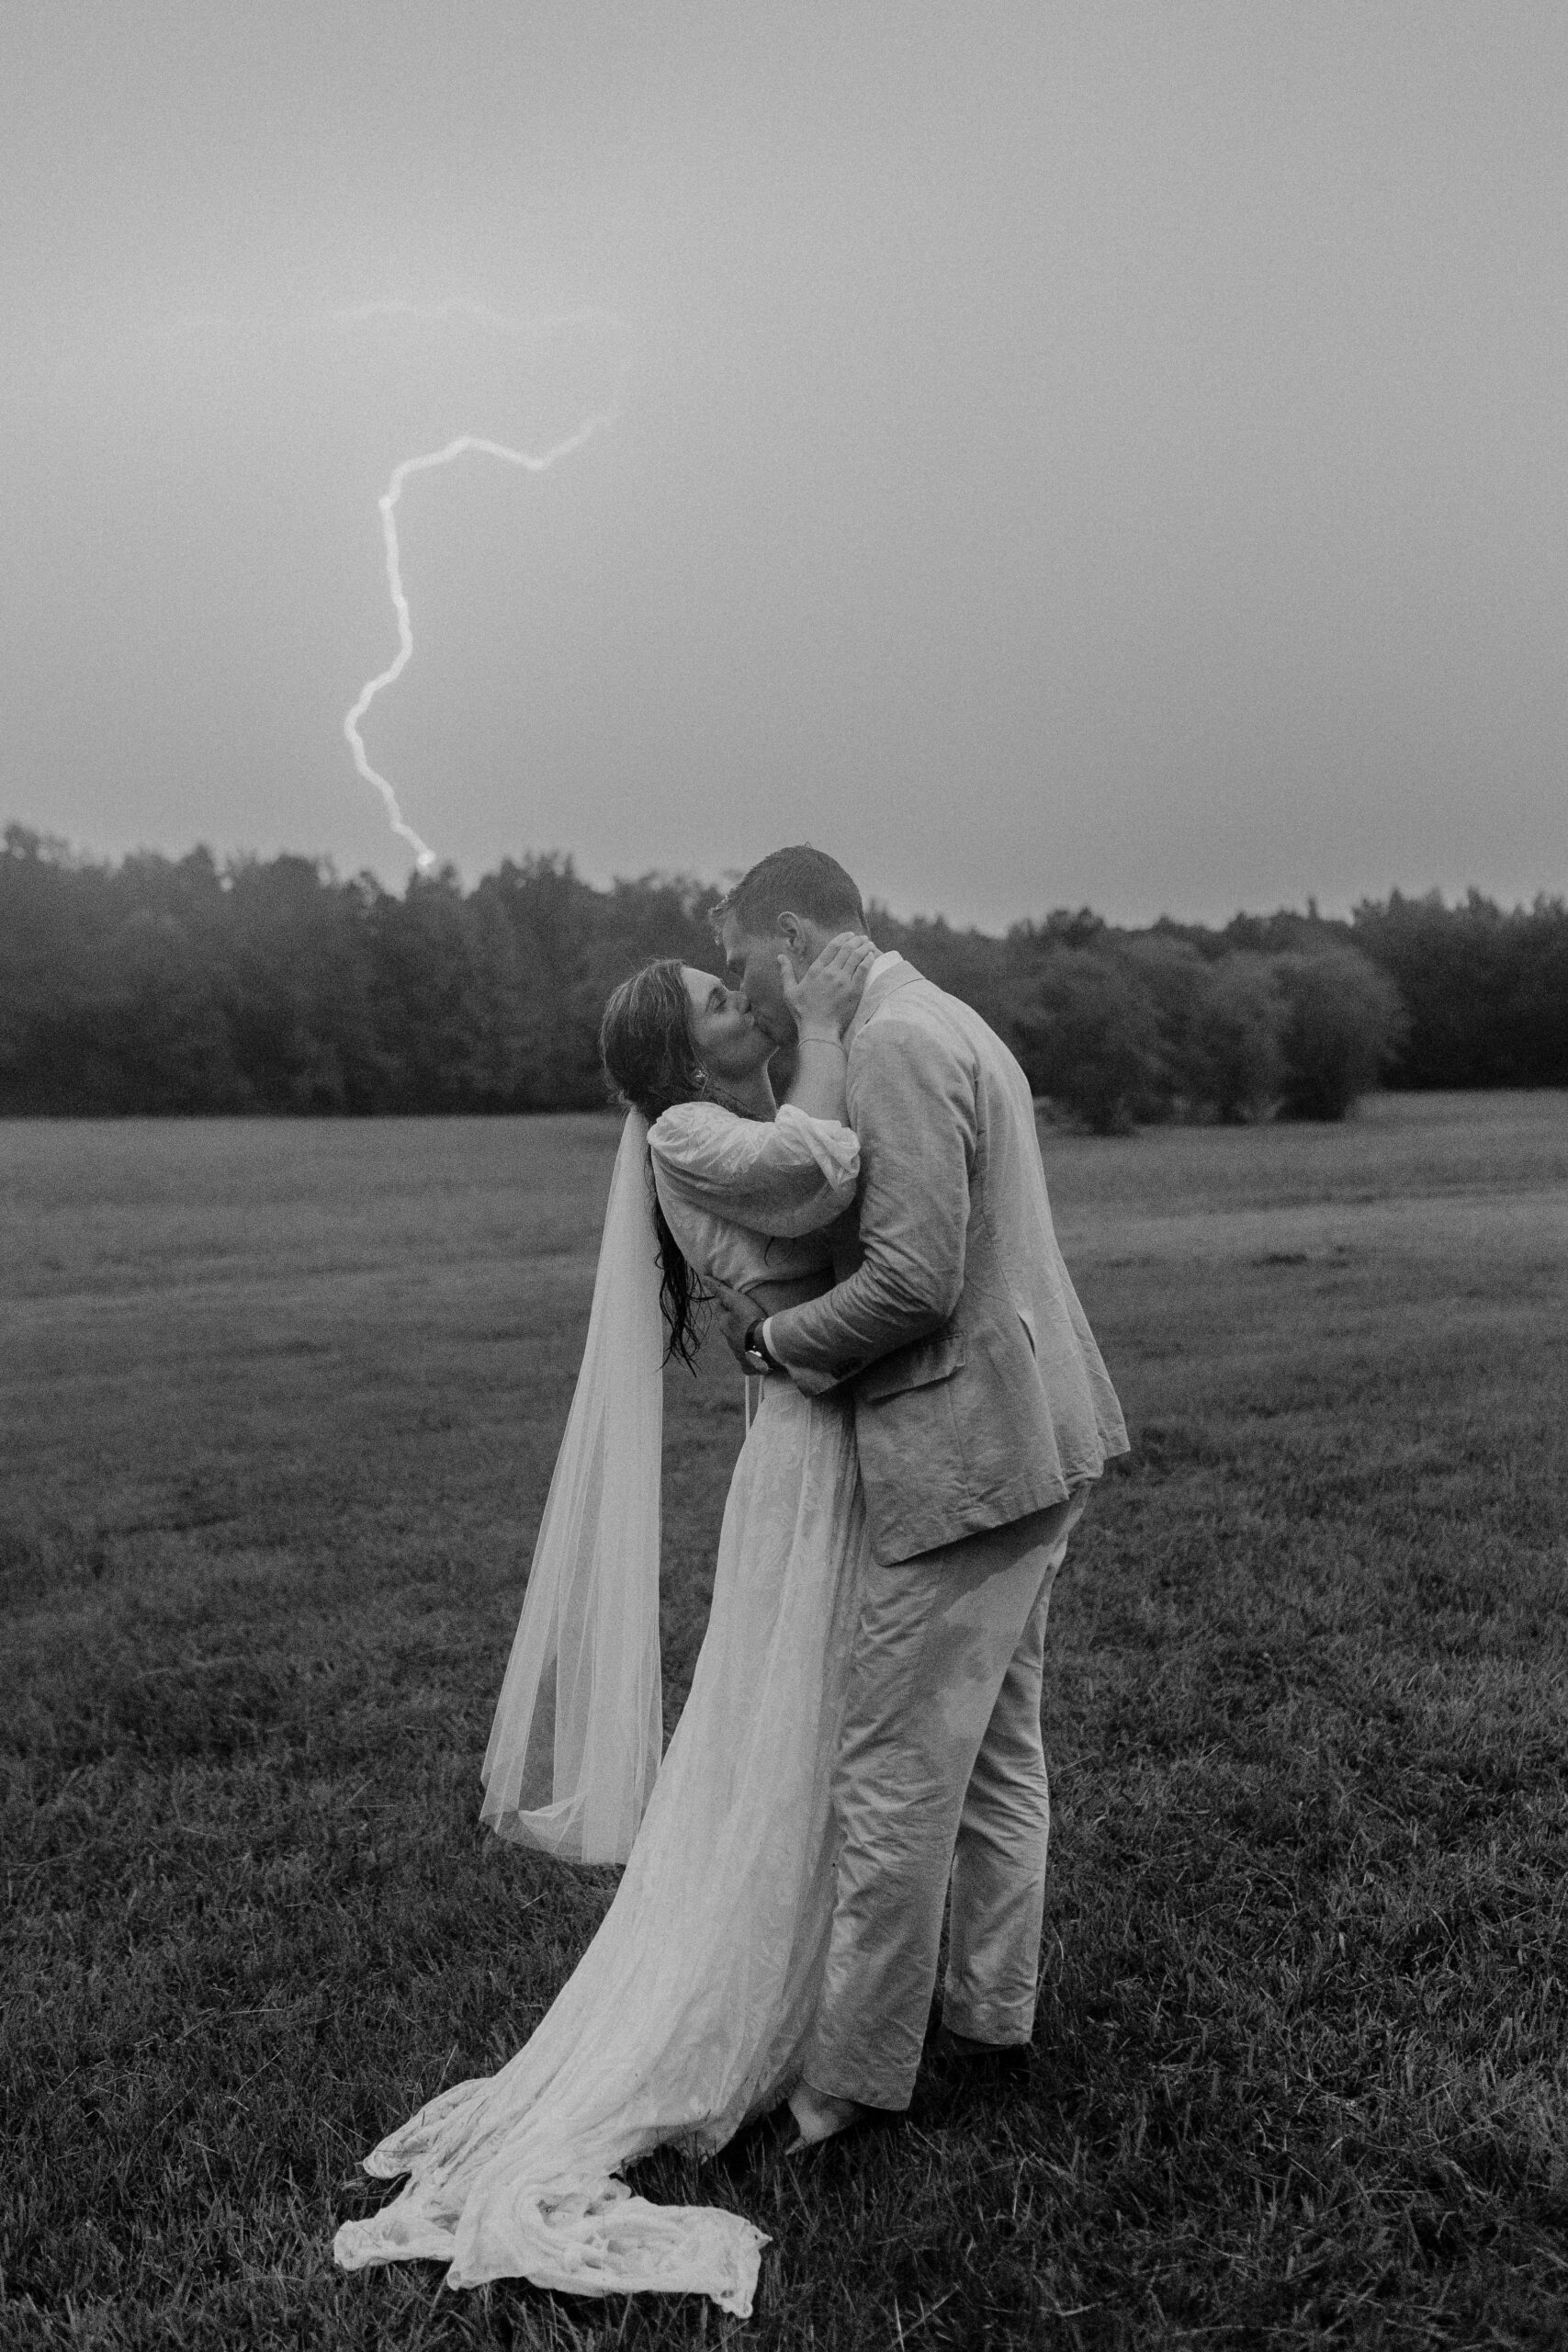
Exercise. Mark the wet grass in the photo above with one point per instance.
(279, 1409)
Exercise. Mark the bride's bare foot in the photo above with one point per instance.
(819, 2117)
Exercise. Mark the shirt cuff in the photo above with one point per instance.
(767, 1335)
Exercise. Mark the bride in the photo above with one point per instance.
(686, 2014)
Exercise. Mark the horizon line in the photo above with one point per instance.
(73, 853)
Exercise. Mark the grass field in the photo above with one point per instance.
(280, 1403)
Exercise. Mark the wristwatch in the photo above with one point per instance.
(758, 1361)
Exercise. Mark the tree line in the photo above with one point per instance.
(185, 985)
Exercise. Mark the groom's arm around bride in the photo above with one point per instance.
(983, 1412)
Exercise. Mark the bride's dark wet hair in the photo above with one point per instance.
(650, 1058)
(646, 1041)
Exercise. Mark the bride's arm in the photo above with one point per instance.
(824, 1001)
(787, 1176)
(796, 1174)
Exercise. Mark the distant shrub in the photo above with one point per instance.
(1173, 976)
(1344, 1022)
(1089, 1038)
(1236, 1050)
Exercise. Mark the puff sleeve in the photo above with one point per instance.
(784, 1176)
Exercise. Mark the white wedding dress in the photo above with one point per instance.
(687, 2013)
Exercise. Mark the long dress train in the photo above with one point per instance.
(688, 2011)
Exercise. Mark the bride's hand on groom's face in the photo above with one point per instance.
(827, 995)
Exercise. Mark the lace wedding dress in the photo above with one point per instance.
(687, 2013)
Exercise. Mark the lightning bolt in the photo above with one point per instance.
(532, 462)
(191, 331)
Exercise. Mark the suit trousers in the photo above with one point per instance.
(940, 1781)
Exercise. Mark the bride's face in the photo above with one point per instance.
(729, 1045)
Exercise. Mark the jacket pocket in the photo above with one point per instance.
(919, 1366)
(1028, 1322)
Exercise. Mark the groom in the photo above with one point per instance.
(982, 1412)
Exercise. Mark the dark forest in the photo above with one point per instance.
(196, 984)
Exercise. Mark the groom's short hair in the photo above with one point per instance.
(801, 881)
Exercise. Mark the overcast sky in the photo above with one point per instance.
(1057, 454)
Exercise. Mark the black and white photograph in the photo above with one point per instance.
(783, 1175)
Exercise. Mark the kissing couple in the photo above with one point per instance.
(862, 1743)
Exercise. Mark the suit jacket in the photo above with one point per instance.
(979, 1394)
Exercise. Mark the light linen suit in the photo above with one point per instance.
(983, 1412)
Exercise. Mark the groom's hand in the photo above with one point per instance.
(737, 1313)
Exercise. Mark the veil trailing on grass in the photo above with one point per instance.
(579, 1732)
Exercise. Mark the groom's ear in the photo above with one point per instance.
(791, 934)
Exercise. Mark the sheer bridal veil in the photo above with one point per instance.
(579, 1732)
